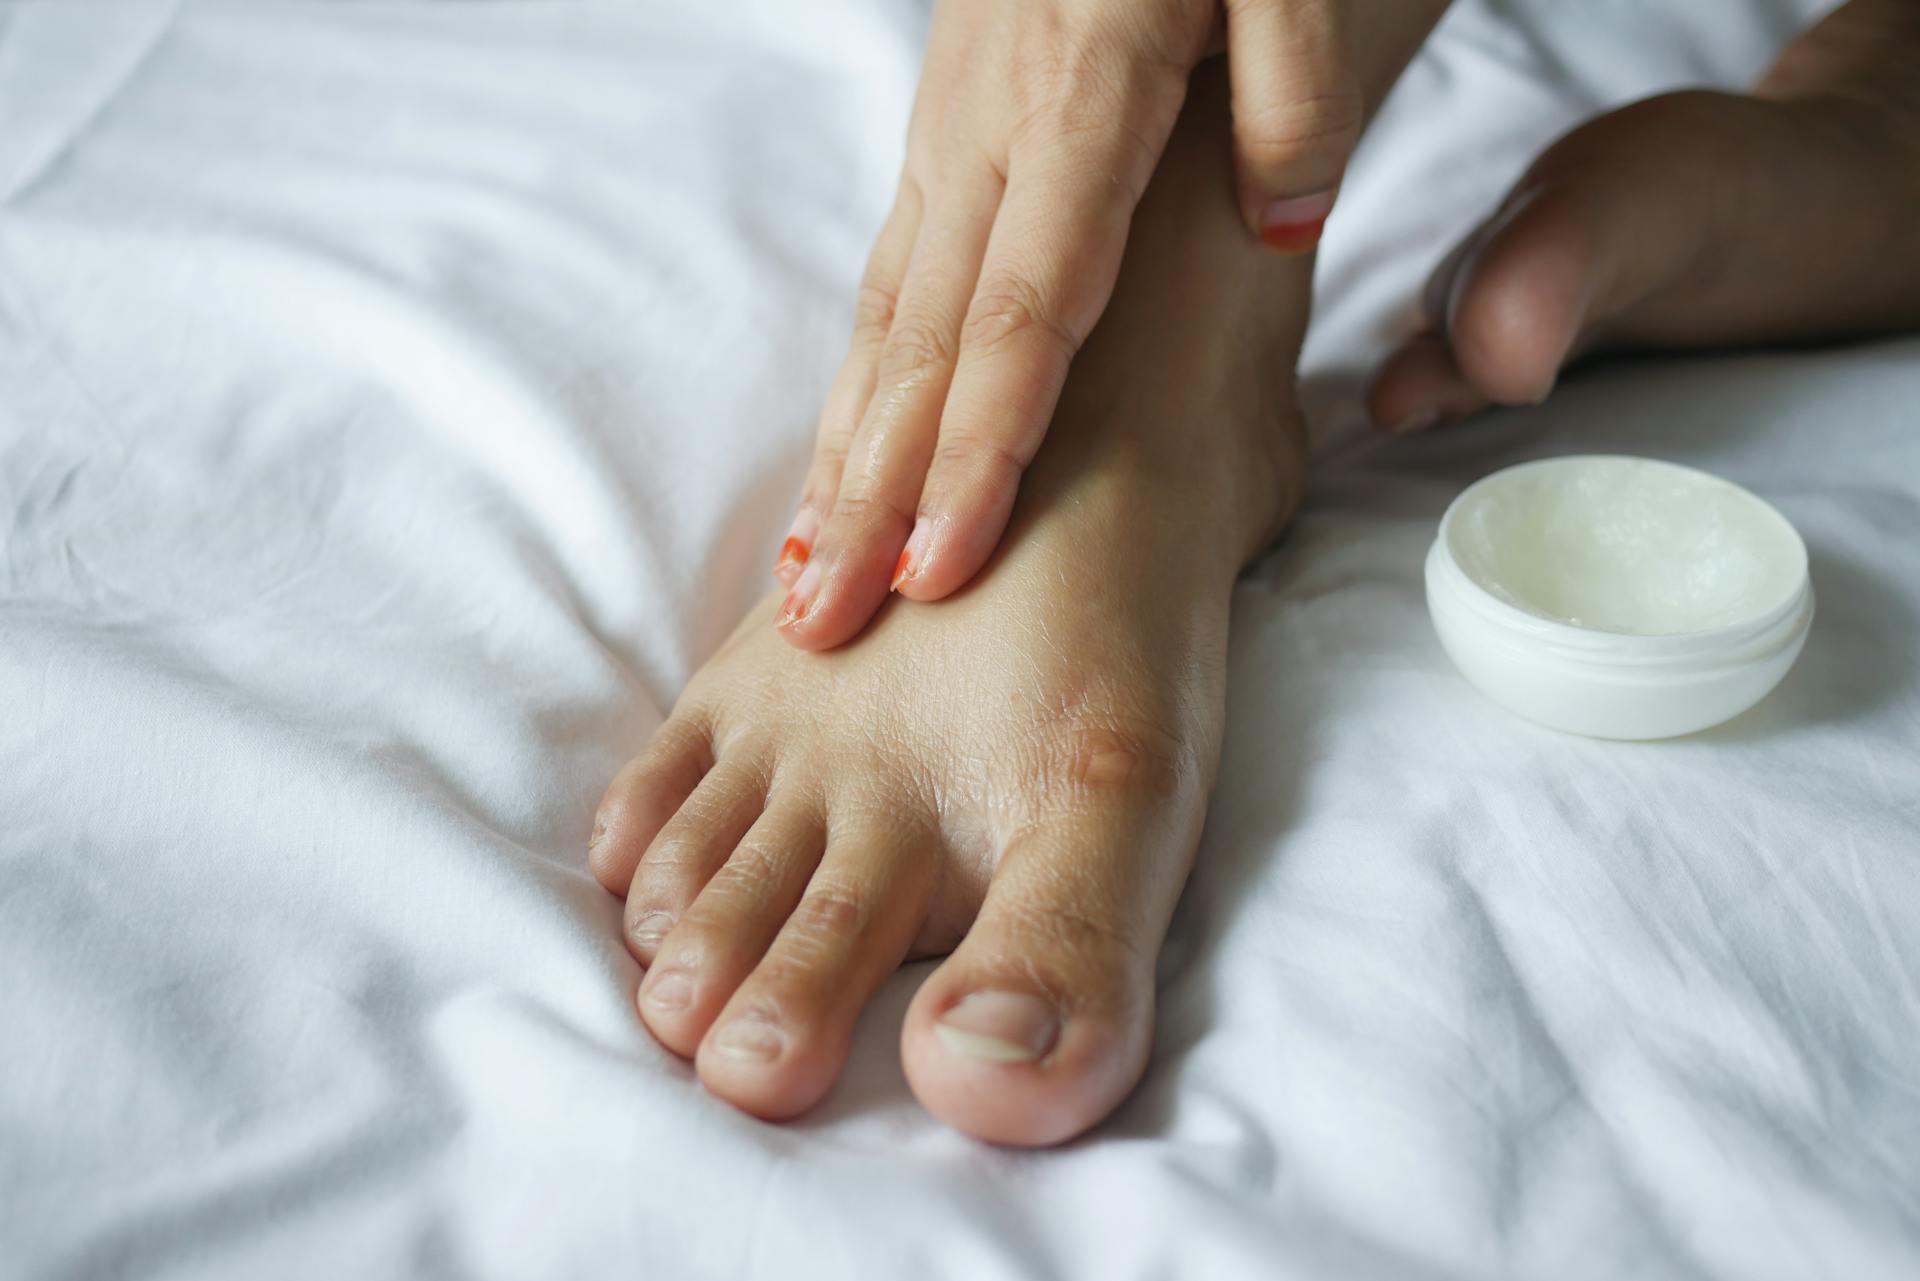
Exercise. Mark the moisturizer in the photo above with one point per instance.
(1618, 597)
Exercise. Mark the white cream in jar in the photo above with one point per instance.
(1618, 597)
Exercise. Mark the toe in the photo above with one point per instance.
(1419, 386)
(689, 848)
(782, 1038)
(1041, 1021)
(1504, 308)
(1523, 294)
(643, 796)
(724, 934)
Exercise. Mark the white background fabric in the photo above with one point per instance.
(399, 400)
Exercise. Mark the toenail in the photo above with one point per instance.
(651, 928)
(668, 992)
(1424, 420)
(750, 1040)
(1000, 1027)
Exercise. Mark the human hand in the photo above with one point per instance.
(1036, 127)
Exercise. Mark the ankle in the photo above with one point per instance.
(1220, 430)
(1217, 475)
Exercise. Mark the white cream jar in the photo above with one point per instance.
(1618, 597)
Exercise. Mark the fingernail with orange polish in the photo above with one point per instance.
(911, 556)
(799, 601)
(798, 547)
(1294, 225)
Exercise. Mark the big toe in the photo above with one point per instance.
(1041, 1021)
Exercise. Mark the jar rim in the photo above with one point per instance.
(1741, 639)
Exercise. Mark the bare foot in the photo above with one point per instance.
(1016, 776)
(1693, 219)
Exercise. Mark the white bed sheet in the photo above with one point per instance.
(398, 401)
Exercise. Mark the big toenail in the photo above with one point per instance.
(651, 928)
(749, 1040)
(669, 992)
(1000, 1027)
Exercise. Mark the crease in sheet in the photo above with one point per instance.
(138, 32)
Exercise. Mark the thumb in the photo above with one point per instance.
(1297, 113)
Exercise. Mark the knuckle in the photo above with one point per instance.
(1009, 308)
(710, 807)
(983, 460)
(1072, 930)
(829, 913)
(679, 752)
(1279, 133)
(740, 883)
(823, 478)
(867, 509)
(1101, 90)
(873, 309)
(916, 346)
(1081, 71)
(830, 452)
(668, 859)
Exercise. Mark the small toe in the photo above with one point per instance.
(1504, 308)
(724, 934)
(780, 1042)
(1418, 387)
(688, 849)
(643, 796)
(1521, 301)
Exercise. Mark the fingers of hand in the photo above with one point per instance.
(1048, 273)
(1003, 281)
(853, 385)
(888, 452)
(1297, 113)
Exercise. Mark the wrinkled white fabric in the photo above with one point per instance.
(399, 400)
